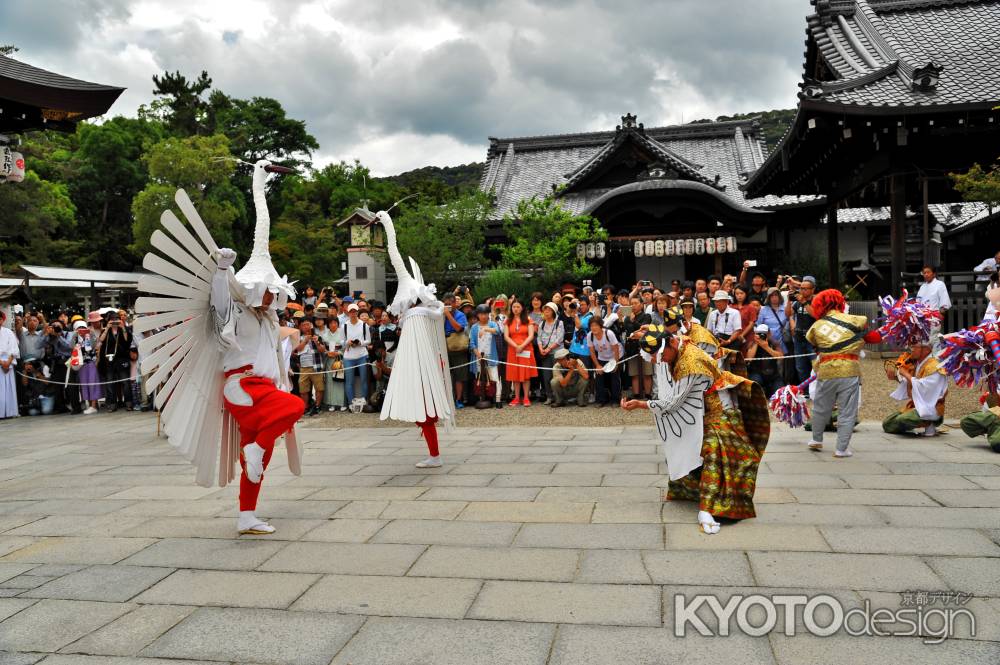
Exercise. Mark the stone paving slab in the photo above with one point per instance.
(220, 634)
(208, 553)
(111, 584)
(130, 633)
(49, 625)
(396, 596)
(604, 604)
(345, 558)
(556, 565)
(79, 550)
(228, 588)
(388, 641)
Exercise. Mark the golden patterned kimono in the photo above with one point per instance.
(733, 444)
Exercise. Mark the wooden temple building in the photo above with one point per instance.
(33, 98)
(896, 94)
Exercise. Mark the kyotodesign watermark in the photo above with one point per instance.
(932, 615)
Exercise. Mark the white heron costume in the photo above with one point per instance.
(215, 360)
(419, 389)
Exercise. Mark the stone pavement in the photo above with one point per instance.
(531, 546)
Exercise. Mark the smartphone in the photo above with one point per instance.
(752, 263)
(624, 310)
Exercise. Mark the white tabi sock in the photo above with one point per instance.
(253, 457)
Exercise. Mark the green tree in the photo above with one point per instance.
(8, 49)
(446, 238)
(108, 172)
(258, 128)
(543, 235)
(185, 109)
(979, 184)
(38, 224)
(202, 166)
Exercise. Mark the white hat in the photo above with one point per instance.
(761, 328)
(352, 308)
(559, 354)
(721, 295)
(258, 274)
(79, 324)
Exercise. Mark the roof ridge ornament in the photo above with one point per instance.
(925, 79)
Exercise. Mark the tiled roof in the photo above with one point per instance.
(31, 86)
(522, 167)
(952, 216)
(910, 53)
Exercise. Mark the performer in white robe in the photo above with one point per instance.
(419, 389)
(9, 354)
(923, 385)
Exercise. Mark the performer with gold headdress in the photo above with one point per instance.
(837, 337)
(714, 424)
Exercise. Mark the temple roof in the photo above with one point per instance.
(715, 154)
(33, 98)
(902, 53)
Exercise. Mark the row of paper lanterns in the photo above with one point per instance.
(685, 247)
(590, 250)
(11, 165)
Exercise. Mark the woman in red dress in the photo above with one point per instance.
(519, 333)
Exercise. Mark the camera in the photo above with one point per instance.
(572, 305)
(762, 336)
(355, 342)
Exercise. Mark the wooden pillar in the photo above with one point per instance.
(832, 246)
(897, 209)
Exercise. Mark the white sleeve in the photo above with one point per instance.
(680, 421)
(926, 393)
(693, 385)
(945, 299)
(221, 299)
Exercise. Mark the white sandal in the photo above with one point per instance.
(707, 523)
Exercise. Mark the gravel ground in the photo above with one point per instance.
(875, 405)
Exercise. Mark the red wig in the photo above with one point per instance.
(825, 301)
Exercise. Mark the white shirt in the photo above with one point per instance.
(356, 331)
(725, 323)
(989, 264)
(934, 294)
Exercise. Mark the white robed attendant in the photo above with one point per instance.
(926, 392)
(9, 354)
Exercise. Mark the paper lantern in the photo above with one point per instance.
(6, 161)
(17, 172)
(699, 246)
(638, 249)
(731, 244)
(720, 245)
(689, 246)
(591, 250)
(599, 251)
(679, 247)
(650, 248)
(668, 247)
(710, 245)
(581, 251)
(658, 247)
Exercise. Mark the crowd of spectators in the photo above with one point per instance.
(577, 345)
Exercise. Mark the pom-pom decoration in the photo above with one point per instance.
(788, 403)
(972, 357)
(907, 321)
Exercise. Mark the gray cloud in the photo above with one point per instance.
(374, 79)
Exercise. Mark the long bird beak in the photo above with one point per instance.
(275, 168)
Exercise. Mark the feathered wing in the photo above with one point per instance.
(184, 357)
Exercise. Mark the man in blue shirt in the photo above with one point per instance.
(579, 348)
(458, 359)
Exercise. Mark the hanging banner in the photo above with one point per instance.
(17, 171)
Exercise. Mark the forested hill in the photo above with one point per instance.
(466, 177)
(462, 178)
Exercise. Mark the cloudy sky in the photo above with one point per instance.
(414, 82)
